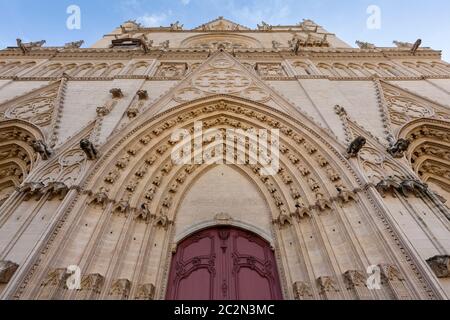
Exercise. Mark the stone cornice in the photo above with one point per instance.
(151, 78)
(313, 52)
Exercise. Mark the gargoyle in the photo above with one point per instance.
(398, 149)
(56, 189)
(32, 189)
(89, 149)
(356, 146)
(74, 45)
(413, 186)
(416, 46)
(40, 147)
(387, 185)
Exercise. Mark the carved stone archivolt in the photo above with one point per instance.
(135, 178)
(17, 155)
(429, 152)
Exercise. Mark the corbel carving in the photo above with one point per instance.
(344, 194)
(101, 198)
(121, 289)
(321, 203)
(327, 284)
(7, 270)
(122, 207)
(440, 266)
(162, 221)
(137, 105)
(302, 291)
(144, 213)
(301, 210)
(104, 110)
(355, 278)
(146, 292)
(284, 218)
(92, 284)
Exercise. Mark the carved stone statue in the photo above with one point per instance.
(365, 45)
(74, 45)
(40, 147)
(89, 149)
(401, 45)
(356, 146)
(176, 26)
(26, 47)
(264, 26)
(398, 149)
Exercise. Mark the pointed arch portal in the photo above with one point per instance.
(224, 263)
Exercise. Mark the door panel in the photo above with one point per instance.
(224, 264)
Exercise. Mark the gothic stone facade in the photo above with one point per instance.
(117, 207)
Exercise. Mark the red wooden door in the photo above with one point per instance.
(224, 264)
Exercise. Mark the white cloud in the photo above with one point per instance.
(275, 11)
(185, 2)
(152, 20)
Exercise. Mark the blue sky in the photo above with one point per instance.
(404, 20)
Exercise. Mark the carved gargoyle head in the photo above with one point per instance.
(356, 146)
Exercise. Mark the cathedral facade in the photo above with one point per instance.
(93, 205)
